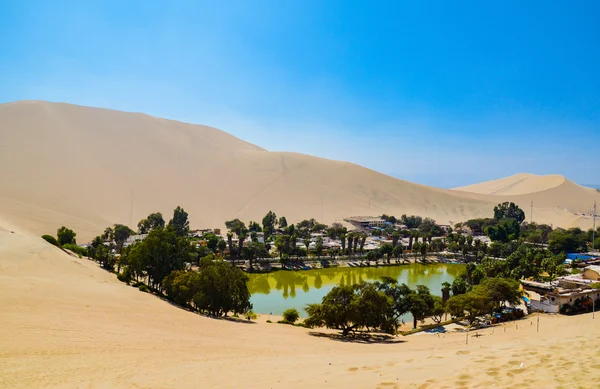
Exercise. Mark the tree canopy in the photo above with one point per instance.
(180, 222)
(65, 235)
(509, 211)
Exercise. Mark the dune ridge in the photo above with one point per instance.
(88, 168)
(518, 184)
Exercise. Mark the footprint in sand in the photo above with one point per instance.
(387, 385)
(353, 369)
(463, 352)
(494, 371)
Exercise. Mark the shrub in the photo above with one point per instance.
(82, 251)
(291, 315)
(269, 321)
(144, 288)
(50, 239)
(125, 276)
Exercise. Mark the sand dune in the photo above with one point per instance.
(556, 199)
(519, 184)
(88, 168)
(67, 323)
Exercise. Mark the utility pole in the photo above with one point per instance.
(131, 210)
(594, 228)
(531, 212)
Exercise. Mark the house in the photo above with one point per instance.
(134, 238)
(564, 291)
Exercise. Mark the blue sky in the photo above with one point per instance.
(437, 92)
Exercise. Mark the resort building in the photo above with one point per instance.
(364, 222)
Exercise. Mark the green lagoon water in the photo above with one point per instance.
(273, 293)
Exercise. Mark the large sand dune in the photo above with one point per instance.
(518, 184)
(88, 168)
(67, 323)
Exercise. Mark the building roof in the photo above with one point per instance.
(363, 219)
(595, 268)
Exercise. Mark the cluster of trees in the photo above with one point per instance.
(487, 297)
(160, 260)
(216, 289)
(65, 239)
(525, 262)
(380, 305)
(373, 306)
(508, 225)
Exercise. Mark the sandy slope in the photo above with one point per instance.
(84, 167)
(67, 323)
(556, 199)
(519, 184)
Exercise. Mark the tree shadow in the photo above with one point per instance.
(187, 309)
(361, 337)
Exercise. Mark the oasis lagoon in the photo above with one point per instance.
(273, 293)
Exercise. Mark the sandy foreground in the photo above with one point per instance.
(67, 323)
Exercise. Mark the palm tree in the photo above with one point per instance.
(350, 238)
(363, 239)
(307, 244)
(230, 243)
(395, 238)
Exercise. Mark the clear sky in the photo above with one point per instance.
(439, 92)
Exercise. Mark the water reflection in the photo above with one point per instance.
(278, 291)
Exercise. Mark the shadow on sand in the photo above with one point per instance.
(361, 337)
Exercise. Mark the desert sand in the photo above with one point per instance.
(88, 168)
(67, 323)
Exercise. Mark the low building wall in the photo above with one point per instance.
(543, 306)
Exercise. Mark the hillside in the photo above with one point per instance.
(519, 184)
(556, 199)
(88, 168)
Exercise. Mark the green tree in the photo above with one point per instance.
(291, 315)
(221, 246)
(108, 234)
(351, 307)
(180, 222)
(268, 224)
(253, 251)
(254, 227)
(397, 252)
(421, 303)
(386, 250)
(459, 286)
(509, 211)
(65, 235)
(470, 305)
(120, 234)
(319, 246)
(446, 289)
(438, 310)
(162, 252)
(154, 220)
(237, 227)
(283, 222)
(500, 291)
